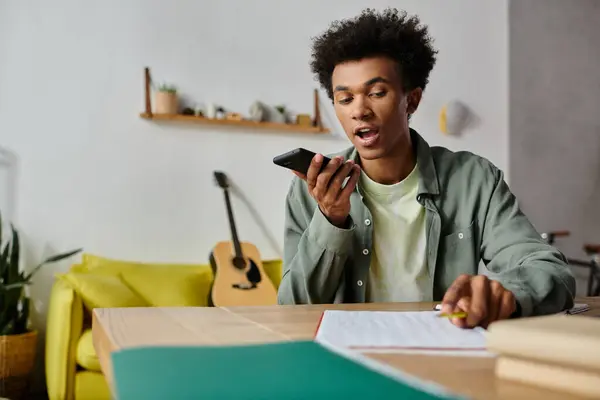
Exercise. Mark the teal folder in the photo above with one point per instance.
(290, 370)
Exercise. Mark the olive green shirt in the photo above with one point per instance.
(471, 216)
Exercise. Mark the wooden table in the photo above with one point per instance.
(117, 328)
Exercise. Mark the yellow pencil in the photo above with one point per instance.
(460, 314)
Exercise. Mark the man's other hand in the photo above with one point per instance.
(484, 300)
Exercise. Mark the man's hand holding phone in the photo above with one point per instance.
(326, 187)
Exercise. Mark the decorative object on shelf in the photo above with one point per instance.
(261, 116)
(257, 111)
(288, 116)
(211, 110)
(272, 114)
(166, 100)
(188, 111)
(453, 117)
(17, 340)
(304, 120)
(220, 112)
(232, 116)
(215, 111)
(262, 112)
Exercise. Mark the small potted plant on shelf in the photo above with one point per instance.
(17, 340)
(166, 100)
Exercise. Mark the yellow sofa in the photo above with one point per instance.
(72, 368)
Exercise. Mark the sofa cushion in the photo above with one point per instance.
(273, 269)
(170, 286)
(111, 266)
(102, 291)
(86, 354)
(91, 385)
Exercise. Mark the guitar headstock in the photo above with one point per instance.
(221, 179)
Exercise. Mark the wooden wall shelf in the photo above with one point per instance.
(315, 128)
(232, 122)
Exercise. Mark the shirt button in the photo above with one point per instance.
(365, 251)
(367, 222)
(359, 283)
(460, 235)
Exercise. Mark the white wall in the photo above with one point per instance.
(91, 173)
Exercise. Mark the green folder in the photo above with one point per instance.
(289, 370)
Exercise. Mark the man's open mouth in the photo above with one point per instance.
(367, 135)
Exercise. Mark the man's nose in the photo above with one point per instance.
(361, 110)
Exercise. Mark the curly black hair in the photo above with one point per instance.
(390, 33)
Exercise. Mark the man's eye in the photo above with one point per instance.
(345, 100)
(379, 94)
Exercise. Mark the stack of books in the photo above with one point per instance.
(558, 352)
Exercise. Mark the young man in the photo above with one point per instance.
(412, 221)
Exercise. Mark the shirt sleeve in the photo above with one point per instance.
(315, 252)
(536, 272)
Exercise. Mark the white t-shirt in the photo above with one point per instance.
(398, 270)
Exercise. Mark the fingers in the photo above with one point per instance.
(464, 304)
(300, 175)
(484, 301)
(326, 186)
(338, 179)
(323, 177)
(459, 288)
(495, 304)
(480, 295)
(313, 171)
(508, 305)
(351, 184)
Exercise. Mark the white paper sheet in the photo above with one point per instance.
(380, 330)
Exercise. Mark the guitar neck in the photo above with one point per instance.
(234, 235)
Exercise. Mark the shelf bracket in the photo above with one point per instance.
(147, 91)
(317, 117)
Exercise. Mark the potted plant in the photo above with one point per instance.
(166, 100)
(17, 340)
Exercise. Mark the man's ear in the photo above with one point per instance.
(413, 99)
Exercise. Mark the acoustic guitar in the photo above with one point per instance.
(239, 276)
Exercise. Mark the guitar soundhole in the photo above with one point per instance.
(239, 262)
(253, 273)
(253, 276)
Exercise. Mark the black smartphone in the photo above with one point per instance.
(298, 160)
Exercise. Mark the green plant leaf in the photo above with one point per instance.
(13, 263)
(62, 256)
(4, 262)
(15, 285)
(22, 320)
(52, 259)
(14, 305)
(169, 88)
(7, 329)
(10, 309)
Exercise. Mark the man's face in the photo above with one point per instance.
(371, 105)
